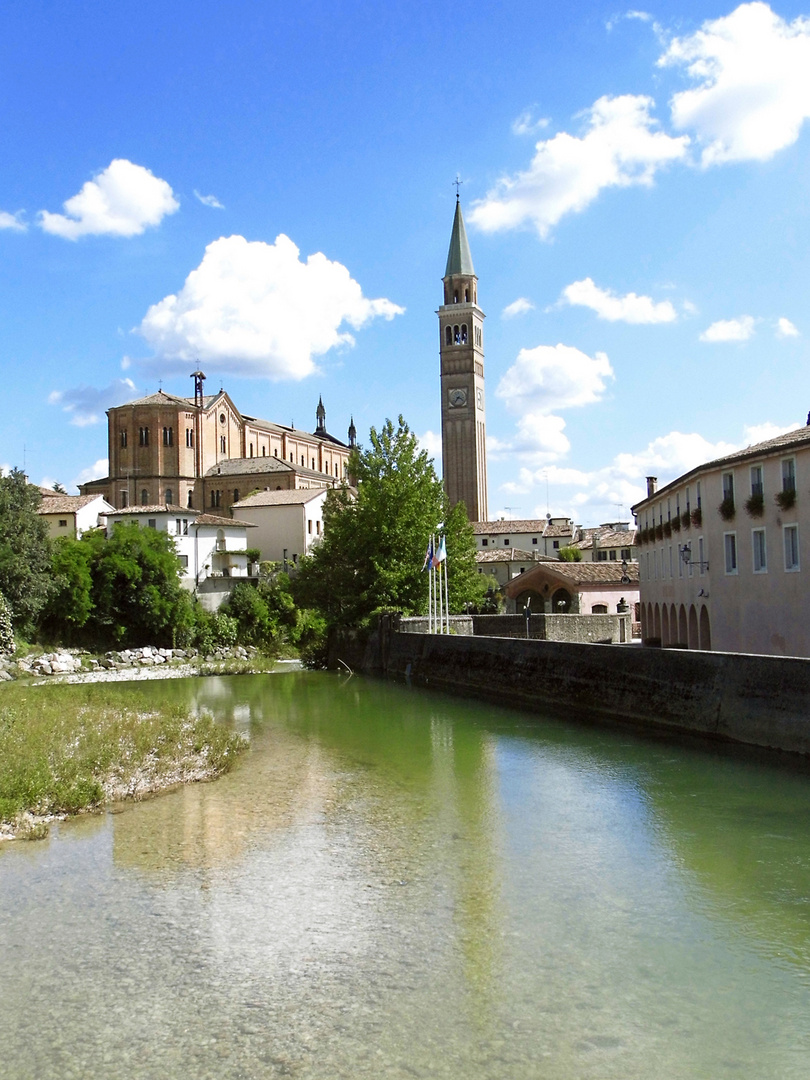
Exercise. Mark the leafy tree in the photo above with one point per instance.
(137, 596)
(71, 601)
(59, 488)
(569, 554)
(25, 551)
(374, 545)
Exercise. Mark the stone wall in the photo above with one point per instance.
(759, 700)
(602, 629)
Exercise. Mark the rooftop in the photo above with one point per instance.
(64, 504)
(539, 526)
(511, 554)
(297, 496)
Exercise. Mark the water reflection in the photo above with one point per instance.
(398, 884)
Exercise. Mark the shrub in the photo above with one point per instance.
(667, 528)
(786, 499)
(755, 506)
(697, 517)
(569, 554)
(6, 627)
(676, 523)
(726, 509)
(686, 519)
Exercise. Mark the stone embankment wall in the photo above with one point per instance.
(542, 627)
(758, 700)
(79, 661)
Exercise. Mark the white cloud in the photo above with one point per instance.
(120, 201)
(729, 330)
(257, 309)
(551, 377)
(432, 442)
(12, 221)
(87, 404)
(757, 433)
(209, 200)
(528, 124)
(607, 305)
(620, 148)
(96, 471)
(689, 308)
(517, 307)
(752, 70)
(785, 328)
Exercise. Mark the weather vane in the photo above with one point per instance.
(457, 184)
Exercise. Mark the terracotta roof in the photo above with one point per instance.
(214, 519)
(525, 525)
(581, 573)
(608, 538)
(789, 440)
(65, 504)
(281, 498)
(154, 508)
(511, 554)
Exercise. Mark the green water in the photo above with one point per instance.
(399, 884)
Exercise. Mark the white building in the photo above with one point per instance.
(611, 542)
(722, 552)
(500, 565)
(544, 536)
(72, 515)
(288, 523)
(212, 549)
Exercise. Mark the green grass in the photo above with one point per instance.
(62, 748)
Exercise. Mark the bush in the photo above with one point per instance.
(755, 506)
(569, 554)
(686, 519)
(6, 627)
(726, 509)
(786, 499)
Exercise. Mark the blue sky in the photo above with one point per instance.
(267, 189)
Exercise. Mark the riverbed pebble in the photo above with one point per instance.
(78, 662)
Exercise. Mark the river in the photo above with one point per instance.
(397, 884)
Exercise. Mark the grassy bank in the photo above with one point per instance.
(69, 748)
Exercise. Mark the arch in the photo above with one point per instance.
(683, 629)
(665, 638)
(657, 621)
(236, 495)
(561, 602)
(455, 296)
(448, 335)
(599, 609)
(456, 335)
(463, 333)
(673, 626)
(169, 496)
(144, 497)
(705, 629)
(466, 296)
(694, 640)
(190, 501)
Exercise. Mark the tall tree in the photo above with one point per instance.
(25, 553)
(374, 544)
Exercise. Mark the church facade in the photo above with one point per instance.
(461, 336)
(202, 452)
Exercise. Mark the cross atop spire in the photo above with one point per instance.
(457, 184)
(459, 259)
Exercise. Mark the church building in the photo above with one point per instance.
(202, 452)
(461, 330)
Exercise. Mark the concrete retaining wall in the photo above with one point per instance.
(546, 627)
(759, 700)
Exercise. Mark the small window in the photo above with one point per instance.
(613, 555)
(152, 523)
(756, 480)
(236, 495)
(463, 333)
(185, 526)
(728, 486)
(264, 451)
(484, 541)
(144, 497)
(730, 548)
(303, 459)
(168, 436)
(599, 609)
(789, 474)
(466, 296)
(506, 541)
(123, 440)
(534, 540)
(448, 336)
(190, 437)
(183, 561)
(190, 500)
(456, 335)
(601, 556)
(309, 526)
(275, 453)
(124, 499)
(627, 554)
(222, 418)
(177, 526)
(222, 444)
(143, 436)
(791, 533)
(556, 545)
(62, 523)
(169, 496)
(251, 450)
(318, 527)
(759, 551)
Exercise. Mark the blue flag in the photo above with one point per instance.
(428, 556)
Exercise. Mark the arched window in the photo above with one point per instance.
(144, 497)
(448, 336)
(466, 296)
(190, 503)
(236, 494)
(456, 335)
(463, 333)
(455, 297)
(169, 496)
(213, 498)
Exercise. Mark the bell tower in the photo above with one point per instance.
(461, 344)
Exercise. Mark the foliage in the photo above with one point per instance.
(786, 499)
(6, 627)
(60, 746)
(569, 554)
(266, 615)
(253, 554)
(373, 548)
(25, 551)
(686, 519)
(726, 509)
(70, 603)
(493, 602)
(60, 489)
(755, 505)
(697, 517)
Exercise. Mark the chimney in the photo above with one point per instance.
(652, 485)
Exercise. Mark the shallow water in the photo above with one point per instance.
(399, 884)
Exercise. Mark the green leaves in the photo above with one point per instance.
(25, 553)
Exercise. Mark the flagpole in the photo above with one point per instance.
(446, 594)
(430, 585)
(441, 605)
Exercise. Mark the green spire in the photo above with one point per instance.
(459, 259)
